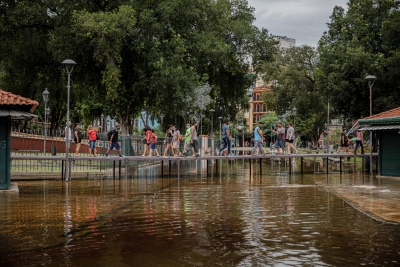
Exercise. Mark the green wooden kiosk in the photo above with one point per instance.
(12, 107)
(387, 128)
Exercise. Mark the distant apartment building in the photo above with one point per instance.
(257, 106)
(262, 85)
(285, 42)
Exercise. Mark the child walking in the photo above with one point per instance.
(153, 139)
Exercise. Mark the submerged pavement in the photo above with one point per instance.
(378, 198)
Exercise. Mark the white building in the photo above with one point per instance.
(285, 42)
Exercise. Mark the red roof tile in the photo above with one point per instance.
(393, 113)
(7, 98)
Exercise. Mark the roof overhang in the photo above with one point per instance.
(393, 120)
(381, 127)
(17, 114)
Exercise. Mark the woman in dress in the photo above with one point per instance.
(176, 141)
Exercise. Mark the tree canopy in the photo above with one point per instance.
(361, 41)
(132, 55)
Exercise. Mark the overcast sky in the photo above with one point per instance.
(303, 20)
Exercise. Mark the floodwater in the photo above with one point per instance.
(278, 219)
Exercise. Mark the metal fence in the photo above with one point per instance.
(31, 143)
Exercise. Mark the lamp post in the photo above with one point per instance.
(371, 79)
(325, 135)
(220, 130)
(46, 95)
(102, 122)
(212, 132)
(294, 112)
(69, 66)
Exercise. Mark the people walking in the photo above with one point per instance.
(168, 141)
(258, 140)
(78, 135)
(280, 137)
(344, 142)
(113, 141)
(193, 139)
(226, 137)
(92, 135)
(359, 142)
(153, 140)
(146, 140)
(187, 140)
(176, 140)
(290, 139)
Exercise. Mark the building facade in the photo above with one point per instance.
(257, 106)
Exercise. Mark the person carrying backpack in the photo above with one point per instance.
(113, 141)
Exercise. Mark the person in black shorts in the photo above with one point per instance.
(114, 142)
(78, 135)
(168, 140)
(344, 142)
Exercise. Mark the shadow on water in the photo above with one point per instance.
(257, 215)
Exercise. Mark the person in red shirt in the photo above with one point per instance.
(146, 140)
(92, 134)
(153, 140)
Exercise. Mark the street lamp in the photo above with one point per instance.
(69, 66)
(220, 130)
(371, 79)
(102, 122)
(46, 95)
(294, 112)
(212, 132)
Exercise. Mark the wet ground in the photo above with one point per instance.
(278, 219)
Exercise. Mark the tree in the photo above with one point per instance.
(132, 55)
(360, 42)
(293, 73)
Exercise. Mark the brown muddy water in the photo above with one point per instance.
(280, 219)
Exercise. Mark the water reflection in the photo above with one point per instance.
(244, 219)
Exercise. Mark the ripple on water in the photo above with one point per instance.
(213, 222)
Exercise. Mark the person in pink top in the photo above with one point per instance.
(359, 142)
(92, 134)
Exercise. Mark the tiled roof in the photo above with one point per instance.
(9, 99)
(393, 113)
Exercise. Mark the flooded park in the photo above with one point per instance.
(247, 218)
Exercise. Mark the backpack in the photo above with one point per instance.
(109, 135)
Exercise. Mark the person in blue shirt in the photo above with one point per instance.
(226, 137)
(258, 140)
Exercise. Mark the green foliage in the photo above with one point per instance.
(293, 72)
(269, 120)
(362, 41)
(132, 56)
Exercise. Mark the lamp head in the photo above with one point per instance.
(69, 62)
(370, 78)
(46, 95)
(294, 111)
